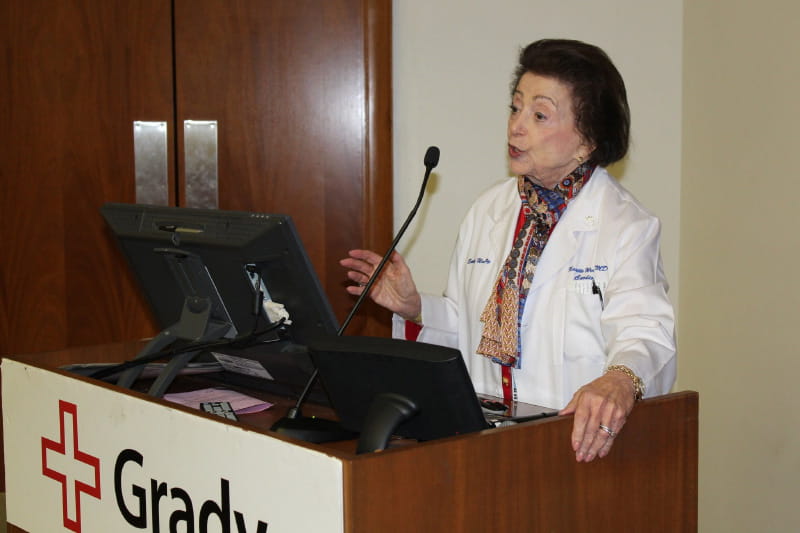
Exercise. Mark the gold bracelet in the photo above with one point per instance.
(638, 384)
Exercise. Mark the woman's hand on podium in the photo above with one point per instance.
(601, 408)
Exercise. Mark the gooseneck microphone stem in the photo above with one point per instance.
(430, 161)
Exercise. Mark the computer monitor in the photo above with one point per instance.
(356, 371)
(224, 269)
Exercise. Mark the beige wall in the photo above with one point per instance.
(715, 97)
(739, 249)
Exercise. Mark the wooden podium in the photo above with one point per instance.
(145, 463)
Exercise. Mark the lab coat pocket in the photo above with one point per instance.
(583, 339)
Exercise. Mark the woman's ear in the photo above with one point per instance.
(584, 152)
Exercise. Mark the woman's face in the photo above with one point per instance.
(543, 142)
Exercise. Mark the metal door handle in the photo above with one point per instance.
(151, 162)
(200, 157)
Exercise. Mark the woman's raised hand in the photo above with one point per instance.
(394, 289)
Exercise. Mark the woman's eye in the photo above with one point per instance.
(540, 116)
(513, 108)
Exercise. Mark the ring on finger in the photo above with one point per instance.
(611, 432)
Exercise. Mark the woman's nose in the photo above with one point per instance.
(516, 125)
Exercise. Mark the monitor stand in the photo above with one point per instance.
(195, 325)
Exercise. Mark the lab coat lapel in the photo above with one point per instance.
(501, 232)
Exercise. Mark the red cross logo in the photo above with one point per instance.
(71, 465)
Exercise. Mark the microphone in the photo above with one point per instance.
(431, 160)
(317, 429)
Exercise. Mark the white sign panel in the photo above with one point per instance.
(84, 458)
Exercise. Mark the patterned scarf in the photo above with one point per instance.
(541, 210)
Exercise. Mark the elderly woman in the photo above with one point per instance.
(556, 294)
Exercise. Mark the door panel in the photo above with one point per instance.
(74, 77)
(285, 80)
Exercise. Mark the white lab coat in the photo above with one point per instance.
(568, 336)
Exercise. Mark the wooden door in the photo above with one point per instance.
(301, 91)
(73, 77)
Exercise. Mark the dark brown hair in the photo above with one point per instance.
(602, 115)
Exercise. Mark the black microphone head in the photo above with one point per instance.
(431, 157)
